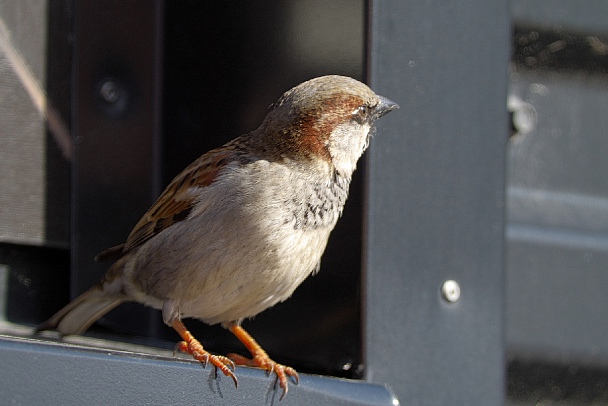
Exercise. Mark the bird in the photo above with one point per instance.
(240, 228)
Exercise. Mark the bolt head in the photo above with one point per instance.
(109, 91)
(450, 291)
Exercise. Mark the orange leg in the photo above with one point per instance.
(193, 347)
(260, 359)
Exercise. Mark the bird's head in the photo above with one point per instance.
(329, 118)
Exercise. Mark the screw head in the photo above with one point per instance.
(109, 91)
(523, 115)
(450, 291)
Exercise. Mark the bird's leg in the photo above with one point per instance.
(261, 359)
(193, 347)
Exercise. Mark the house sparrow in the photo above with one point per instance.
(239, 229)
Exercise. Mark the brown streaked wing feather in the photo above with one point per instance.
(178, 199)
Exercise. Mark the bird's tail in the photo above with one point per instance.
(78, 315)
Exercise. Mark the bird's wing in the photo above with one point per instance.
(180, 196)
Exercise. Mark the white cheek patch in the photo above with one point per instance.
(347, 143)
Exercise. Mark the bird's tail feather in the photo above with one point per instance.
(77, 316)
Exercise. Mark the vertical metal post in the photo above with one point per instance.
(435, 201)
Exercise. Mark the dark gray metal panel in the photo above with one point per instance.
(589, 16)
(557, 295)
(557, 205)
(117, 130)
(566, 151)
(436, 201)
(43, 373)
(557, 208)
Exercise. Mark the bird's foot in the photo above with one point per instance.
(197, 351)
(264, 362)
(192, 346)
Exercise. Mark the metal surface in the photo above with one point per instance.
(558, 220)
(117, 158)
(557, 206)
(590, 17)
(44, 373)
(435, 201)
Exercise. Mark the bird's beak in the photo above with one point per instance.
(384, 106)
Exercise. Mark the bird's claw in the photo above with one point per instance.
(270, 366)
(282, 373)
(224, 364)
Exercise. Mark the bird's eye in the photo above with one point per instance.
(361, 113)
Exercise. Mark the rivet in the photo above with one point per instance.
(523, 115)
(450, 291)
(109, 91)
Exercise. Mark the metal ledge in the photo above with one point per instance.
(40, 372)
